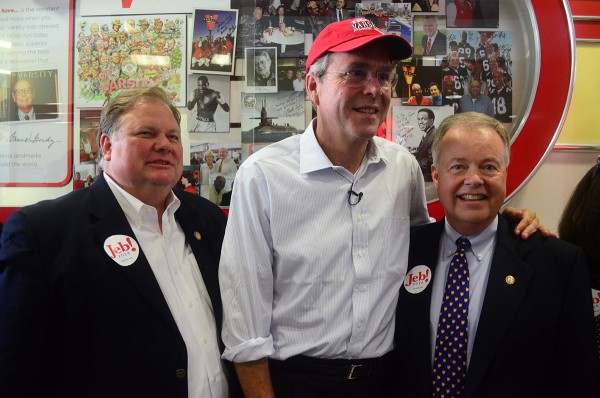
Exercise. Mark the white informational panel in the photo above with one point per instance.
(36, 124)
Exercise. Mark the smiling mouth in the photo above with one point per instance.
(472, 197)
(366, 110)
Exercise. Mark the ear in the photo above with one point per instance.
(434, 176)
(105, 146)
(312, 85)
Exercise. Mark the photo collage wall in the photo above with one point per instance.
(242, 70)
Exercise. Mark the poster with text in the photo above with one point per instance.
(35, 119)
(117, 53)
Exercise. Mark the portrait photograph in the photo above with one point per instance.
(212, 49)
(260, 70)
(33, 95)
(208, 103)
(429, 36)
(413, 128)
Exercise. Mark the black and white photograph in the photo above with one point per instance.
(208, 103)
(260, 64)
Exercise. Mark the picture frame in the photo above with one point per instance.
(113, 53)
(260, 70)
(212, 47)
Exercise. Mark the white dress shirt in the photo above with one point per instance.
(480, 261)
(26, 116)
(178, 275)
(304, 272)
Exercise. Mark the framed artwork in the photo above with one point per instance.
(393, 18)
(116, 53)
(89, 122)
(208, 103)
(268, 118)
(259, 67)
(213, 41)
(189, 180)
(33, 95)
(429, 36)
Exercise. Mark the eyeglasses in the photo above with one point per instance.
(360, 77)
(23, 91)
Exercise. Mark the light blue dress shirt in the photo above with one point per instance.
(304, 272)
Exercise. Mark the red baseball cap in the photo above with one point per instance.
(350, 34)
(196, 171)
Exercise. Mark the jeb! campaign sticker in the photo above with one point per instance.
(123, 249)
(417, 279)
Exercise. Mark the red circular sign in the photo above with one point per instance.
(552, 96)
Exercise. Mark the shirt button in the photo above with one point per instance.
(180, 373)
(191, 305)
(205, 341)
(361, 324)
(359, 218)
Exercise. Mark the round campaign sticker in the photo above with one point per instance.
(122, 249)
(417, 279)
(596, 301)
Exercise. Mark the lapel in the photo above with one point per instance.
(501, 302)
(107, 219)
(424, 251)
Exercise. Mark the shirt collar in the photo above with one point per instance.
(313, 158)
(481, 244)
(23, 114)
(135, 209)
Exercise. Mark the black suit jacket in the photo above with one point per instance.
(534, 338)
(73, 323)
(41, 112)
(439, 45)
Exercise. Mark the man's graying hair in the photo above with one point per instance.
(124, 101)
(319, 67)
(473, 120)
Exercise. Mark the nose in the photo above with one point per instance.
(162, 143)
(472, 177)
(372, 85)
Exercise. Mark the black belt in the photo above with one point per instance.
(205, 119)
(350, 369)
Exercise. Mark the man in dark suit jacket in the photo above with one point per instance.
(338, 13)
(23, 106)
(438, 44)
(112, 290)
(530, 323)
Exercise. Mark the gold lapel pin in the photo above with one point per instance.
(510, 280)
(197, 235)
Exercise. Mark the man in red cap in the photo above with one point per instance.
(316, 244)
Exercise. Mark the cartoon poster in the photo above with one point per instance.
(116, 53)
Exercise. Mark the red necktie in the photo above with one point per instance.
(428, 47)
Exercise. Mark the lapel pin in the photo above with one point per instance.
(510, 280)
(197, 235)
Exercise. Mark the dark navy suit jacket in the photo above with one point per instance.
(74, 323)
(534, 338)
